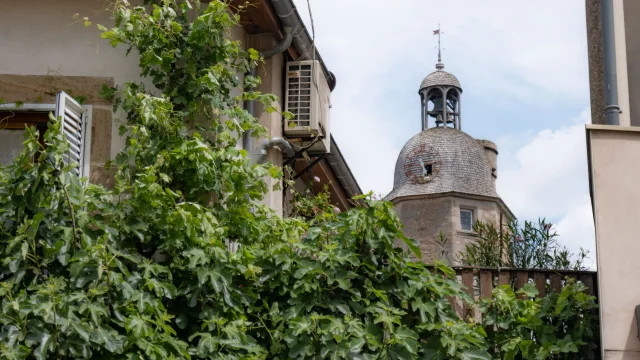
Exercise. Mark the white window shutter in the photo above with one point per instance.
(73, 119)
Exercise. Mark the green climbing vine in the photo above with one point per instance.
(143, 270)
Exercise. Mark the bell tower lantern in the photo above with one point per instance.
(440, 94)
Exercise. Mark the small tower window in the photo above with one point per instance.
(428, 169)
(466, 219)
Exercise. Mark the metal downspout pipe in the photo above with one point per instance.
(611, 109)
(249, 105)
(288, 15)
(278, 142)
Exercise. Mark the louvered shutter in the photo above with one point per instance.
(73, 119)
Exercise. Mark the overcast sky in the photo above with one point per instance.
(523, 69)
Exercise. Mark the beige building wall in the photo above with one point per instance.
(614, 171)
(632, 51)
(46, 43)
(627, 37)
(271, 73)
(424, 217)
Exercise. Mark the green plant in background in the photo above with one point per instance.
(532, 246)
(142, 271)
(558, 326)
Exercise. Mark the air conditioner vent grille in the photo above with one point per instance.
(299, 96)
(307, 97)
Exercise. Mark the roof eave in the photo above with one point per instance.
(497, 199)
(342, 171)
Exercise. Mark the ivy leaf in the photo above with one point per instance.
(475, 355)
(108, 338)
(529, 290)
(41, 351)
(81, 329)
(398, 352)
(300, 348)
(182, 321)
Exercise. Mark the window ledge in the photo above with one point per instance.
(468, 233)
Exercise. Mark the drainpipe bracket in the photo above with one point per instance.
(256, 155)
(612, 109)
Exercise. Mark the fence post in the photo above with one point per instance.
(486, 284)
(504, 278)
(587, 280)
(541, 283)
(556, 283)
(522, 277)
(467, 281)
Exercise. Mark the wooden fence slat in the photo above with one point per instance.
(556, 283)
(587, 280)
(452, 301)
(522, 277)
(504, 278)
(466, 275)
(486, 284)
(541, 283)
(467, 281)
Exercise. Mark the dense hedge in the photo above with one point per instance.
(143, 271)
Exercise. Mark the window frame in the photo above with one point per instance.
(51, 108)
(473, 216)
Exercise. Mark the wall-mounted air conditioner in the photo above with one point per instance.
(308, 98)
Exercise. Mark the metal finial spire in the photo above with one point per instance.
(439, 65)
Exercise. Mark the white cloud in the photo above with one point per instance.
(547, 177)
(576, 230)
(531, 54)
(533, 51)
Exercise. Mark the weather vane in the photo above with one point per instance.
(439, 65)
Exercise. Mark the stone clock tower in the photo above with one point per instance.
(445, 180)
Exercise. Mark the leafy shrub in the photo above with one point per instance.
(142, 271)
(557, 326)
(531, 246)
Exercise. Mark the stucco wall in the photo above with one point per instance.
(42, 39)
(596, 67)
(49, 41)
(426, 216)
(632, 37)
(271, 74)
(614, 172)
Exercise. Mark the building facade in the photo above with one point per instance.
(613, 149)
(445, 180)
(46, 50)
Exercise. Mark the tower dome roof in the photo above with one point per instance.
(440, 78)
(462, 165)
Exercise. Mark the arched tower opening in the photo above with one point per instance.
(440, 95)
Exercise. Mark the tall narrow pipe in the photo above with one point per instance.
(288, 15)
(249, 105)
(611, 109)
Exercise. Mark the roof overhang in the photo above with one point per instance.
(332, 170)
(261, 16)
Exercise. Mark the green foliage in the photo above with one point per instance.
(148, 276)
(558, 326)
(532, 246)
(142, 271)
